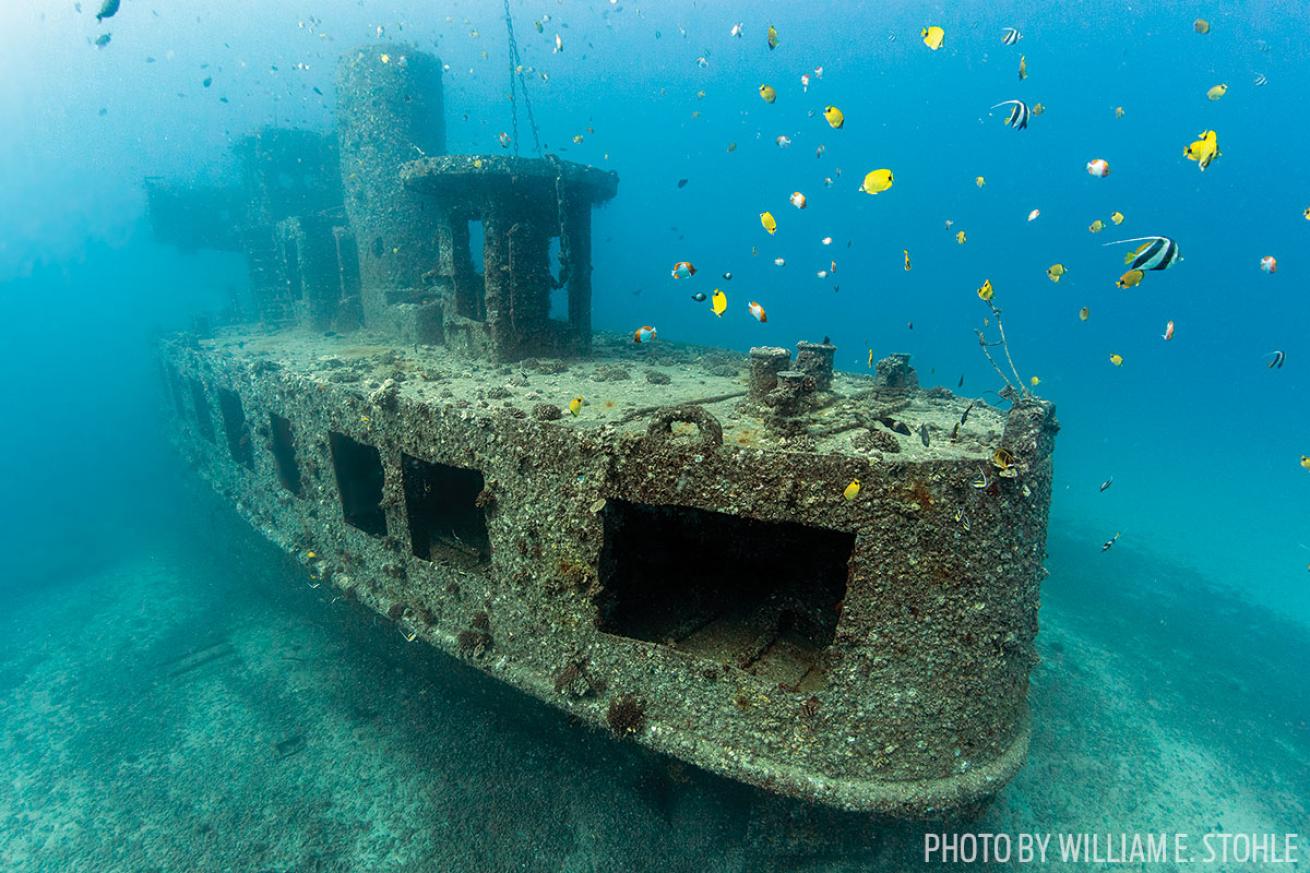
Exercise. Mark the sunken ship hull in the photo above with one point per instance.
(680, 561)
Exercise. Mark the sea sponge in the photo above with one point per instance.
(626, 716)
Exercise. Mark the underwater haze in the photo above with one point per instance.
(1171, 695)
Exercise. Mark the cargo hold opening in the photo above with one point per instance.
(764, 596)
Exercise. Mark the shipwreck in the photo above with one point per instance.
(678, 562)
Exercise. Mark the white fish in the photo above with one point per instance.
(1018, 114)
(736, 30)
(559, 44)
(783, 141)
(779, 262)
(1260, 80)
(1032, 216)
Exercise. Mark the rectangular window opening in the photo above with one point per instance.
(358, 467)
(764, 596)
(234, 425)
(476, 239)
(284, 453)
(559, 296)
(204, 417)
(441, 503)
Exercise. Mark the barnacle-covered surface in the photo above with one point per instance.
(675, 544)
(472, 175)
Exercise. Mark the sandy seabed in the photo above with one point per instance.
(197, 706)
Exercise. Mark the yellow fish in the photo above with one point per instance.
(1201, 26)
(960, 237)
(1305, 462)
(575, 404)
(877, 182)
(719, 303)
(1118, 112)
(1117, 360)
(1117, 217)
(1054, 272)
(768, 222)
(311, 554)
(1084, 314)
(1034, 381)
(1204, 149)
(577, 138)
(986, 291)
(768, 94)
(870, 363)
(852, 490)
(1217, 92)
(980, 181)
(773, 37)
(1307, 213)
(1023, 68)
(1096, 226)
(907, 253)
(1130, 279)
(932, 37)
(1039, 108)
(834, 117)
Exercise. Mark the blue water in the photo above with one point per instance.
(1201, 438)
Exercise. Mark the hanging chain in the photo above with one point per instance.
(513, 60)
(516, 73)
(565, 249)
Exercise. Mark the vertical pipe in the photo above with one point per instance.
(390, 111)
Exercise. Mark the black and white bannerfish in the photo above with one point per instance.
(1276, 360)
(1154, 253)
(1018, 115)
(1011, 35)
(1260, 80)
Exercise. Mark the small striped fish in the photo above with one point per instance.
(1260, 80)
(1011, 36)
(1018, 115)
(1155, 253)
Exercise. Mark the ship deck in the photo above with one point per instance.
(622, 383)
